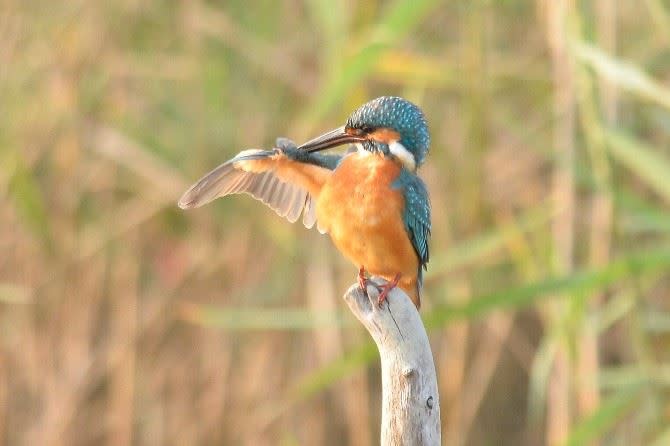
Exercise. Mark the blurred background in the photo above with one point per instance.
(124, 320)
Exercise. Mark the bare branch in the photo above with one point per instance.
(410, 400)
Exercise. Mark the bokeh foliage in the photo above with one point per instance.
(126, 321)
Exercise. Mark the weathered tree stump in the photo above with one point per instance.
(410, 400)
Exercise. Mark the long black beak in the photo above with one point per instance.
(330, 139)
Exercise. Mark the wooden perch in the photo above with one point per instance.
(410, 400)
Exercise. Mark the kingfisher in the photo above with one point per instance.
(369, 199)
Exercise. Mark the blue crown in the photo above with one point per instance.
(400, 115)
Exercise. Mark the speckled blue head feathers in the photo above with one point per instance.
(397, 114)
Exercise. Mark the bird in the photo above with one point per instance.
(369, 199)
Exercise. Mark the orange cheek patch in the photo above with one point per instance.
(385, 135)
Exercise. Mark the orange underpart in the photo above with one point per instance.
(362, 212)
(359, 208)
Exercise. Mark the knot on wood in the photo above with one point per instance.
(429, 402)
(408, 372)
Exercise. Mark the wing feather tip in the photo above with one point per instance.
(186, 202)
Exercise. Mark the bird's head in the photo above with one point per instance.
(389, 125)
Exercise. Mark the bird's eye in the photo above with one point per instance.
(367, 129)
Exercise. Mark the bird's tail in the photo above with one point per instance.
(412, 288)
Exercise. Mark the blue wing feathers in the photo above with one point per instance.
(416, 215)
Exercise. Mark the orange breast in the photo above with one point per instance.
(363, 215)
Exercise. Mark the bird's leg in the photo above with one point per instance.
(386, 289)
(362, 280)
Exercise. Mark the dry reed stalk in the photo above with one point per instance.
(123, 332)
(588, 395)
(483, 365)
(351, 395)
(469, 205)
(559, 415)
(452, 369)
(4, 390)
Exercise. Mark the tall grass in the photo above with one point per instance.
(126, 321)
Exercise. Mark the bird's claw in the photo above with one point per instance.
(383, 290)
(386, 289)
(363, 281)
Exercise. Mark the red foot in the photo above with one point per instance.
(386, 289)
(362, 280)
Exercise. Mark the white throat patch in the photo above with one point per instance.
(404, 155)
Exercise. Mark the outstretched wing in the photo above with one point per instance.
(251, 172)
(416, 216)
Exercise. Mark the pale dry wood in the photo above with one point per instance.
(410, 400)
